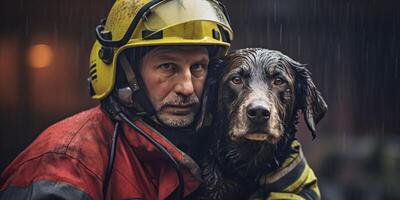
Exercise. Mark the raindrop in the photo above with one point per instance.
(396, 67)
(280, 34)
(275, 11)
(27, 26)
(298, 45)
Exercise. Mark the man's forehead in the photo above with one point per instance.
(175, 53)
(180, 48)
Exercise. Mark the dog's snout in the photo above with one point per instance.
(258, 113)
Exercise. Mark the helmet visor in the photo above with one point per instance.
(158, 15)
(173, 12)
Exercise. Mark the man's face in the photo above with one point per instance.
(174, 78)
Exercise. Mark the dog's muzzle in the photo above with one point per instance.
(258, 114)
(259, 125)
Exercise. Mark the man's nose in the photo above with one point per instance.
(184, 84)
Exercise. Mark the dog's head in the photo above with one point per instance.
(260, 93)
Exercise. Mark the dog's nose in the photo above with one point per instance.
(258, 113)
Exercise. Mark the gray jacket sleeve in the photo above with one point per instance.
(44, 189)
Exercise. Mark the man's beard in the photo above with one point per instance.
(175, 120)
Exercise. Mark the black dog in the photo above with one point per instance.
(259, 96)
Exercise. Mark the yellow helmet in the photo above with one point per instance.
(138, 23)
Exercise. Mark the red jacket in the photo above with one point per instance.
(69, 160)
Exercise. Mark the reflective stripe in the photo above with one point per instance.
(286, 170)
(44, 190)
(285, 182)
(294, 180)
(310, 188)
(299, 181)
(309, 194)
(282, 196)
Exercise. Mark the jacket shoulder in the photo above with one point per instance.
(82, 137)
(65, 136)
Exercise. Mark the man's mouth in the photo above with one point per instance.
(179, 109)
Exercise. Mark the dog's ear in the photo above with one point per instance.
(209, 98)
(310, 101)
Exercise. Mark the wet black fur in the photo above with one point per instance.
(231, 168)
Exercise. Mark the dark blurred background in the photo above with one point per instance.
(352, 48)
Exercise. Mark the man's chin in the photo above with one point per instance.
(176, 121)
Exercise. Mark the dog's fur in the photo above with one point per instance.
(259, 96)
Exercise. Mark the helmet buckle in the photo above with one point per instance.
(125, 95)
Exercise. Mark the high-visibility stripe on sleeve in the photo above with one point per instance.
(309, 194)
(309, 189)
(304, 188)
(285, 183)
(295, 179)
(283, 196)
(305, 185)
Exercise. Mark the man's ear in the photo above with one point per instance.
(311, 102)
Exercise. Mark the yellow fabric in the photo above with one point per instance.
(281, 195)
(306, 178)
(295, 176)
(293, 159)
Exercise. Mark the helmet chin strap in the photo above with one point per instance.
(139, 99)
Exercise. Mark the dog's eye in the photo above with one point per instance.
(278, 81)
(236, 80)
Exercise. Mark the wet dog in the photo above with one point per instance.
(260, 95)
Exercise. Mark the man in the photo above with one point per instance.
(150, 70)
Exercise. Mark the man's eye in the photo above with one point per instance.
(198, 70)
(237, 80)
(197, 67)
(278, 81)
(167, 66)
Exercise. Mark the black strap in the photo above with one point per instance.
(141, 101)
(115, 111)
(181, 186)
(110, 164)
(129, 73)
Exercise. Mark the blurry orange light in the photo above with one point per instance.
(40, 56)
